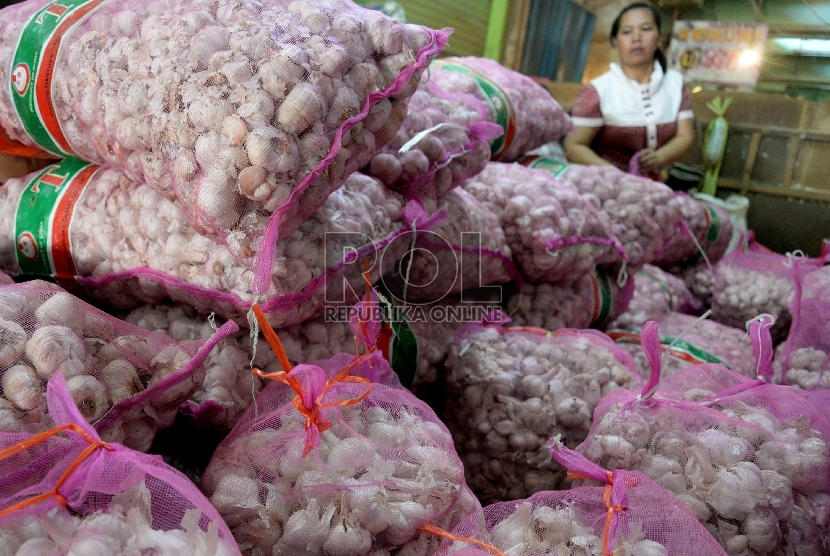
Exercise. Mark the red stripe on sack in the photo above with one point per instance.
(43, 79)
(62, 260)
(16, 148)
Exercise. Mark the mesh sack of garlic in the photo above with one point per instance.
(130, 246)
(525, 110)
(748, 457)
(700, 279)
(656, 293)
(66, 491)
(509, 389)
(687, 340)
(588, 302)
(704, 230)
(466, 250)
(757, 281)
(229, 387)
(128, 382)
(433, 326)
(246, 115)
(629, 515)
(444, 140)
(554, 233)
(337, 465)
(803, 359)
(644, 213)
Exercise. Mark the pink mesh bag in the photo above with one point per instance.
(687, 340)
(629, 515)
(704, 231)
(74, 493)
(229, 387)
(329, 461)
(748, 457)
(509, 389)
(525, 110)
(434, 326)
(588, 302)
(803, 359)
(126, 381)
(129, 246)
(555, 234)
(246, 116)
(757, 281)
(656, 293)
(466, 249)
(700, 279)
(444, 140)
(644, 213)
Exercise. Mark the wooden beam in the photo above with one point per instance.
(751, 155)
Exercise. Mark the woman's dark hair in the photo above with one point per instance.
(655, 13)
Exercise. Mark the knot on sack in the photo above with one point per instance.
(311, 392)
(94, 445)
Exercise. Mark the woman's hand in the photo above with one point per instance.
(649, 161)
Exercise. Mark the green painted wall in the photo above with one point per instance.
(469, 18)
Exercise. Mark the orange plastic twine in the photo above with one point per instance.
(272, 338)
(37, 439)
(607, 498)
(312, 415)
(435, 530)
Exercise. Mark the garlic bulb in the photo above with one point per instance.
(173, 94)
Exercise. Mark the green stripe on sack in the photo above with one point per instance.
(35, 212)
(496, 98)
(32, 67)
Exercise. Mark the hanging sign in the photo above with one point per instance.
(718, 52)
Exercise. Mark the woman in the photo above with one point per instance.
(638, 107)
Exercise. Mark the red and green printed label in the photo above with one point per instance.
(498, 101)
(44, 215)
(33, 68)
(603, 297)
(551, 166)
(681, 349)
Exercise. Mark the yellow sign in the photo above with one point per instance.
(711, 51)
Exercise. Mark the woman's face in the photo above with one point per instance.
(638, 38)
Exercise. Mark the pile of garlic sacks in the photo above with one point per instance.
(257, 167)
(164, 90)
